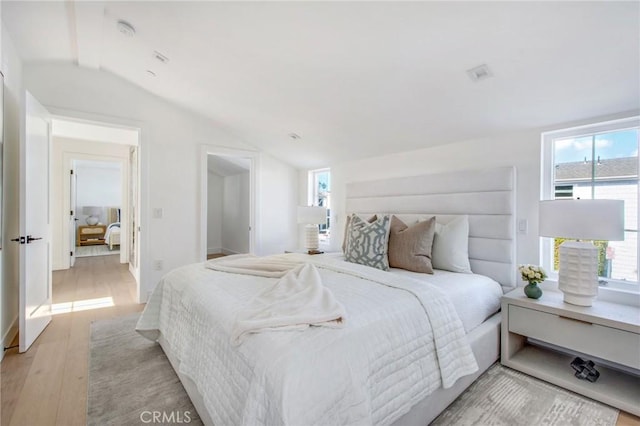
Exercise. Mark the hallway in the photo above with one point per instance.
(47, 385)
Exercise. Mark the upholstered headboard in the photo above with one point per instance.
(113, 215)
(486, 196)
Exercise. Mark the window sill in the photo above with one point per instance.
(613, 294)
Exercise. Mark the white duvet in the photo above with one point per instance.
(403, 340)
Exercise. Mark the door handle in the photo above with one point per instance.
(18, 240)
(30, 238)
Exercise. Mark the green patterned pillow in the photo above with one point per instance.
(368, 243)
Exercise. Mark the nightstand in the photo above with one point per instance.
(88, 235)
(541, 337)
(304, 251)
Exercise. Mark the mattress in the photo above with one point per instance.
(403, 340)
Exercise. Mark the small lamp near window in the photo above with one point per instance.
(311, 216)
(580, 220)
(93, 213)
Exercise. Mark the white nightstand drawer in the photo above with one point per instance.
(608, 343)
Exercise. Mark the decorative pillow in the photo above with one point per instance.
(367, 243)
(346, 228)
(410, 247)
(451, 246)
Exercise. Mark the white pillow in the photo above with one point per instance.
(451, 246)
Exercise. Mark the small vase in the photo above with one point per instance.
(533, 291)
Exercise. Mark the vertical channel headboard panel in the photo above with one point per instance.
(486, 196)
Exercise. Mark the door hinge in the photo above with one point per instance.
(71, 171)
(71, 253)
(71, 213)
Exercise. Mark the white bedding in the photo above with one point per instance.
(375, 369)
(474, 296)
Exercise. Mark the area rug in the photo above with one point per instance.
(131, 380)
(95, 250)
(502, 396)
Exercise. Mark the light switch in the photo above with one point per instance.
(523, 226)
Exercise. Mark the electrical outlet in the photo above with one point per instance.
(158, 265)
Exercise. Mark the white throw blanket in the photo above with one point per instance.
(295, 302)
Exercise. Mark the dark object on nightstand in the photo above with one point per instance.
(315, 252)
(585, 370)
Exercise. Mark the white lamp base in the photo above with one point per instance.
(311, 241)
(578, 275)
(92, 220)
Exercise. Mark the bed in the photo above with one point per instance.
(409, 345)
(112, 235)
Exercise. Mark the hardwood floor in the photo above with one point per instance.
(47, 385)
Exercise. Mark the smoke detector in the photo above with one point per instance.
(126, 28)
(478, 73)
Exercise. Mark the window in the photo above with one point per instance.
(320, 195)
(597, 162)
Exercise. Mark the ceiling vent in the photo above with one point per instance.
(479, 73)
(126, 28)
(160, 57)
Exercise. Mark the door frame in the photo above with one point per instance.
(254, 158)
(142, 270)
(125, 184)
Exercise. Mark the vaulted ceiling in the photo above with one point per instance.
(353, 79)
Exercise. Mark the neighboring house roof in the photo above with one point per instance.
(612, 168)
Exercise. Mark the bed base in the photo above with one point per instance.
(485, 343)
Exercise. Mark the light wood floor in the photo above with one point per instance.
(47, 385)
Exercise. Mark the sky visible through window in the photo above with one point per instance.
(607, 145)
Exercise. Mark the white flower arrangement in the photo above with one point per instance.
(532, 274)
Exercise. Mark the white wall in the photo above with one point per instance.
(9, 291)
(170, 147)
(214, 212)
(235, 214)
(97, 186)
(278, 194)
(521, 149)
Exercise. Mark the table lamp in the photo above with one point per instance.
(93, 213)
(311, 216)
(580, 220)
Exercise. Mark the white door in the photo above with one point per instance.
(72, 214)
(35, 255)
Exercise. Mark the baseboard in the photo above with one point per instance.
(8, 337)
(227, 252)
(214, 250)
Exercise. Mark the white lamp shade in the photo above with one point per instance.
(312, 215)
(92, 210)
(582, 219)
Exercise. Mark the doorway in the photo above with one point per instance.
(109, 154)
(96, 199)
(228, 201)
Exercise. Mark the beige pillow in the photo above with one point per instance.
(346, 229)
(410, 246)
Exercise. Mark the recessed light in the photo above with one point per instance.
(478, 73)
(126, 28)
(295, 136)
(151, 73)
